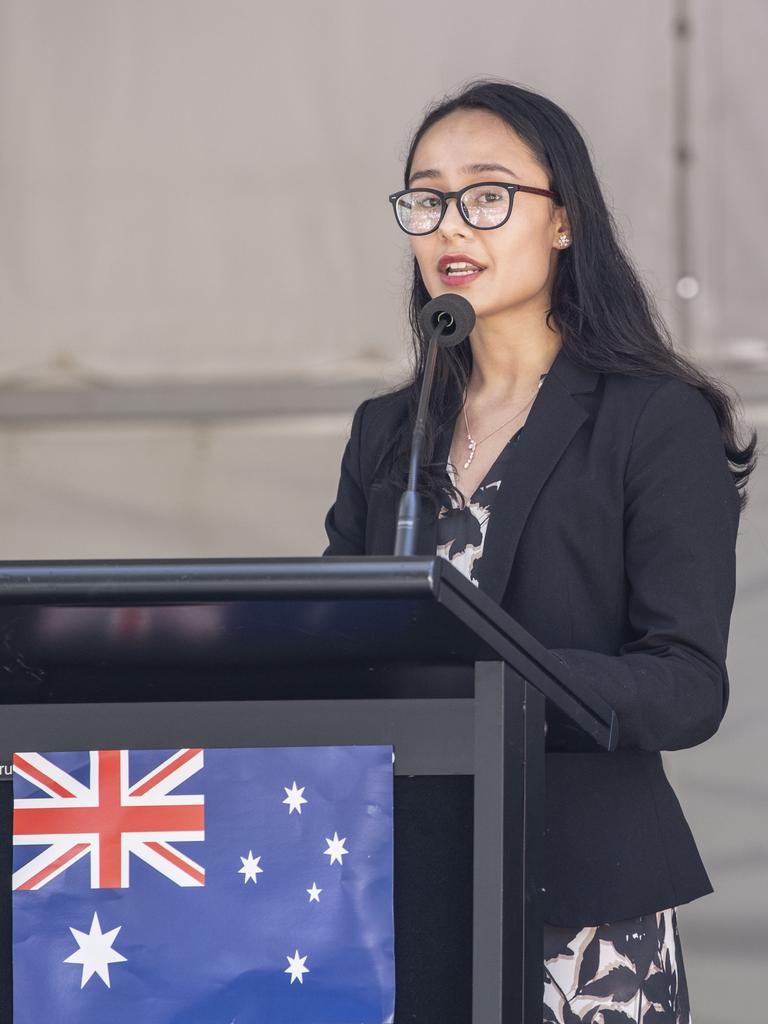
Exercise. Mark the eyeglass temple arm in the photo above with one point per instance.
(539, 192)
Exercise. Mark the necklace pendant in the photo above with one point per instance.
(472, 445)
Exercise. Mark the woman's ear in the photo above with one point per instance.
(562, 236)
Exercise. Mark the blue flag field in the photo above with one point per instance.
(217, 886)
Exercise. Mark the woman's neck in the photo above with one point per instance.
(509, 357)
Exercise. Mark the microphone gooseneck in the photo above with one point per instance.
(447, 320)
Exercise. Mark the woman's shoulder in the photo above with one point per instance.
(667, 423)
(661, 397)
(389, 404)
(623, 395)
(375, 425)
(658, 415)
(382, 414)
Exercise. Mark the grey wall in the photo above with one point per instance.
(189, 188)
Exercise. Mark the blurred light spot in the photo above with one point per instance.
(687, 287)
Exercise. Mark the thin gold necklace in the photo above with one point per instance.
(472, 444)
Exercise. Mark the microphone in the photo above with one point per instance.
(454, 313)
(447, 320)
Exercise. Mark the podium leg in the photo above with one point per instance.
(507, 955)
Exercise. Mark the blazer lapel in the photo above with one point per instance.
(554, 418)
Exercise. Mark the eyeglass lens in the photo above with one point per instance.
(483, 206)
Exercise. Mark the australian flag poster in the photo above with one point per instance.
(216, 886)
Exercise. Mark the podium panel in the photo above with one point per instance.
(322, 652)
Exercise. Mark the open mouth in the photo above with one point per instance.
(459, 272)
(461, 268)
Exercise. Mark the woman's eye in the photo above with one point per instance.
(489, 197)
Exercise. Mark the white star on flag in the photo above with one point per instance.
(297, 968)
(335, 848)
(250, 868)
(95, 952)
(314, 893)
(294, 799)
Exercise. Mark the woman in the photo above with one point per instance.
(589, 478)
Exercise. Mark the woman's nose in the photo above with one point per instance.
(452, 220)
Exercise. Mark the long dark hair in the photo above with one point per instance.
(607, 321)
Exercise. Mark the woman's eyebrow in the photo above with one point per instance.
(431, 172)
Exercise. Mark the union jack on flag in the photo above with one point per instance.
(108, 819)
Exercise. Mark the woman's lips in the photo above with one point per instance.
(452, 280)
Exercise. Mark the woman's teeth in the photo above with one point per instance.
(462, 268)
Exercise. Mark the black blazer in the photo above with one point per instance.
(612, 540)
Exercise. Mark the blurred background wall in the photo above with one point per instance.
(201, 277)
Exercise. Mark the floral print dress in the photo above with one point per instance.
(617, 973)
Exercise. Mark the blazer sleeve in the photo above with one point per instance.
(669, 685)
(345, 521)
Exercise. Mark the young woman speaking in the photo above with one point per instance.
(589, 478)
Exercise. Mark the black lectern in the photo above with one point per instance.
(291, 652)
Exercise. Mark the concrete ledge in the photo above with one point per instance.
(285, 396)
(278, 397)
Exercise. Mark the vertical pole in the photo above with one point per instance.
(507, 954)
(686, 284)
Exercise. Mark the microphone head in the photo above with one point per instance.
(452, 311)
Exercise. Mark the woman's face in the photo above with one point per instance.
(518, 258)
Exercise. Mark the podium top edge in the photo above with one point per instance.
(216, 579)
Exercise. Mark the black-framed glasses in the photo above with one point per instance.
(484, 205)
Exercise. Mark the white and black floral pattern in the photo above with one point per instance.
(461, 531)
(629, 971)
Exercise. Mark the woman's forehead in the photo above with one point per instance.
(466, 140)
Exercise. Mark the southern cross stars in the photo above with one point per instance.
(314, 893)
(250, 868)
(294, 799)
(296, 968)
(95, 952)
(335, 848)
